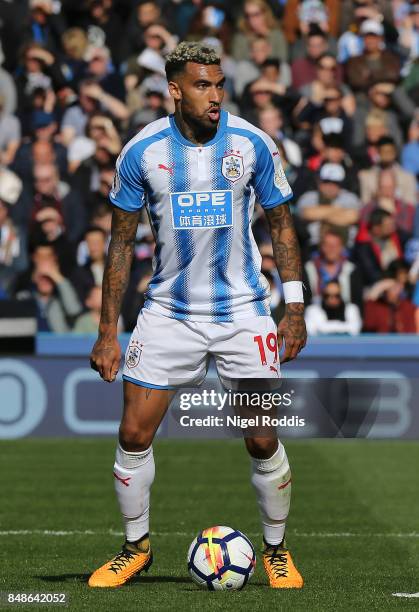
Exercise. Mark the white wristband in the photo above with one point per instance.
(293, 291)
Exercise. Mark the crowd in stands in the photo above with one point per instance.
(335, 84)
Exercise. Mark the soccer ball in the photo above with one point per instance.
(221, 559)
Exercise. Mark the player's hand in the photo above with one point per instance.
(105, 357)
(292, 331)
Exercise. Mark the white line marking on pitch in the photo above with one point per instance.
(406, 595)
(111, 532)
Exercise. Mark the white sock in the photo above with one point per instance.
(271, 479)
(134, 475)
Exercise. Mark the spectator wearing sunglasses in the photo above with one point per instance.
(333, 316)
(327, 107)
(394, 102)
(331, 263)
(327, 78)
(258, 20)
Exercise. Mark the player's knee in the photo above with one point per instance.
(261, 448)
(133, 439)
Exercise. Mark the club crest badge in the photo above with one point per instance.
(232, 167)
(133, 355)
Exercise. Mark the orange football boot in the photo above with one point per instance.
(124, 566)
(280, 568)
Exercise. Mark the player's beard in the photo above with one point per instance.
(201, 124)
(204, 125)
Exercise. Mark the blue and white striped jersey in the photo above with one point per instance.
(200, 201)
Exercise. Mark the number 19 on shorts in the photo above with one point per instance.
(269, 343)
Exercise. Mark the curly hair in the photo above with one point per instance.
(189, 52)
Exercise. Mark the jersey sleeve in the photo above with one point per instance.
(127, 189)
(270, 183)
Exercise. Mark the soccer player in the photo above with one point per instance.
(198, 172)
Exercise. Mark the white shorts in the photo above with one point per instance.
(164, 353)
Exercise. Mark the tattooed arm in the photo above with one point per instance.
(106, 353)
(291, 328)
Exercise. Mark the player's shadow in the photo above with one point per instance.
(151, 579)
(138, 580)
(64, 578)
(251, 585)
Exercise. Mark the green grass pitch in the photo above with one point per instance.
(353, 528)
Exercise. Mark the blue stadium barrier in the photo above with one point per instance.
(55, 392)
(388, 346)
